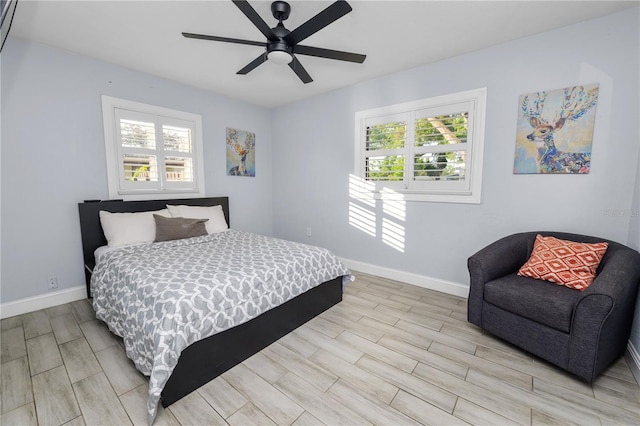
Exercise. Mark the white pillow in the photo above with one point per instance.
(216, 222)
(130, 228)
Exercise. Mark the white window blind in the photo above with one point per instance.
(425, 150)
(151, 150)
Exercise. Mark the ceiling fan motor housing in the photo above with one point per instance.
(280, 10)
(280, 45)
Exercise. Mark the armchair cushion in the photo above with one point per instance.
(564, 262)
(540, 301)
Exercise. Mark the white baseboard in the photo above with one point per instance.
(437, 284)
(633, 359)
(43, 301)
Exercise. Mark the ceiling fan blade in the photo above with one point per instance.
(253, 64)
(329, 54)
(224, 39)
(297, 67)
(336, 11)
(253, 16)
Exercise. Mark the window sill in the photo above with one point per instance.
(434, 197)
(156, 195)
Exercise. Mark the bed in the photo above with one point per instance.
(205, 359)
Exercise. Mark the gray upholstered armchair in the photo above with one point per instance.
(582, 332)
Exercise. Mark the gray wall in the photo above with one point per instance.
(313, 153)
(634, 213)
(53, 157)
(634, 242)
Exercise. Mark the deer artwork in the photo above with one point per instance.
(574, 104)
(242, 149)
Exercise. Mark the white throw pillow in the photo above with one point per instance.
(216, 222)
(130, 228)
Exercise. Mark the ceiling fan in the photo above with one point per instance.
(282, 45)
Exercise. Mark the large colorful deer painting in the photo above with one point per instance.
(547, 113)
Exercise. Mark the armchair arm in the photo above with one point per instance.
(498, 259)
(618, 275)
(603, 315)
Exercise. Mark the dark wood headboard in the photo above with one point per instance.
(91, 229)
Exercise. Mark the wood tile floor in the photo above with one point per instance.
(389, 354)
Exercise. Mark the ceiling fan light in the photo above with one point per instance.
(280, 57)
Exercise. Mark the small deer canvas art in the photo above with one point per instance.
(241, 158)
(555, 130)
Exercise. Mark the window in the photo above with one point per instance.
(151, 151)
(427, 150)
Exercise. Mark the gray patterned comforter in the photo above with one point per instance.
(162, 297)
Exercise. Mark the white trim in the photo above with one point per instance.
(442, 191)
(109, 107)
(423, 281)
(633, 359)
(43, 301)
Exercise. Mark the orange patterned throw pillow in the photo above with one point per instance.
(564, 262)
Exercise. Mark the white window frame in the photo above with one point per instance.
(467, 191)
(118, 186)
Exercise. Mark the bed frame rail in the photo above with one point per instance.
(210, 357)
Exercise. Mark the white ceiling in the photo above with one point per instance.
(395, 35)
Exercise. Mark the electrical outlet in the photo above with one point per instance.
(53, 283)
(308, 232)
